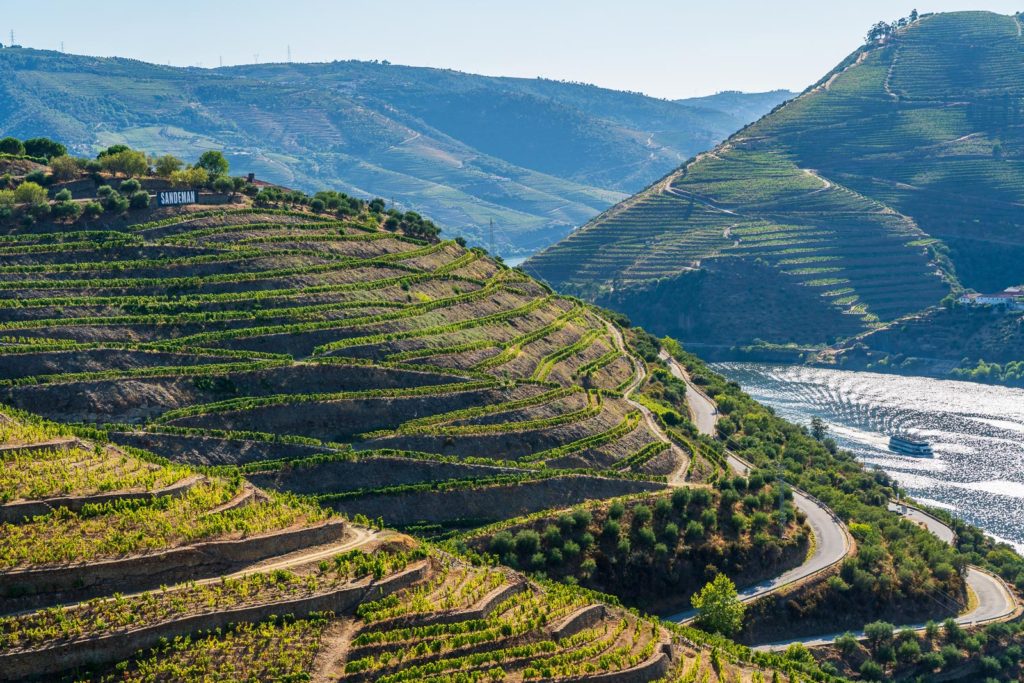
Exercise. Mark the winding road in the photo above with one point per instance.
(832, 541)
(702, 408)
(994, 599)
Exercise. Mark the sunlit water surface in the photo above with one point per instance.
(976, 432)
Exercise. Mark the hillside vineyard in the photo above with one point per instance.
(882, 188)
(250, 434)
(202, 366)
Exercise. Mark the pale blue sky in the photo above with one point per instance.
(666, 48)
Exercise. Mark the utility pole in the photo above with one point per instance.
(12, 38)
(62, 46)
(289, 54)
(782, 493)
(220, 60)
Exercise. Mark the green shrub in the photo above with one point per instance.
(645, 536)
(552, 536)
(12, 146)
(642, 515)
(527, 542)
(139, 200)
(92, 210)
(871, 670)
(502, 543)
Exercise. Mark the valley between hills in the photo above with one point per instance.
(251, 431)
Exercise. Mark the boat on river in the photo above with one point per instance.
(908, 445)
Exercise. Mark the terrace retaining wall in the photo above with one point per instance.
(491, 502)
(120, 646)
(28, 588)
(26, 509)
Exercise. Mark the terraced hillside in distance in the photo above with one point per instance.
(890, 183)
(536, 157)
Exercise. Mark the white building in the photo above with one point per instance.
(1012, 298)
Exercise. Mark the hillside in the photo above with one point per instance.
(537, 157)
(892, 181)
(237, 388)
(262, 587)
(978, 344)
(280, 425)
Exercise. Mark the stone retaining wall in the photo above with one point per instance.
(654, 668)
(580, 620)
(491, 502)
(29, 588)
(20, 511)
(120, 646)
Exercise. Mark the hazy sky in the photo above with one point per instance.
(666, 48)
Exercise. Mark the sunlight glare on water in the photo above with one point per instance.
(976, 432)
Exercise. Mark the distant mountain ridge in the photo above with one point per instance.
(536, 157)
(892, 182)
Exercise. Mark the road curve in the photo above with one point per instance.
(995, 601)
(702, 408)
(832, 541)
(832, 545)
(933, 524)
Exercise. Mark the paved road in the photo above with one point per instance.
(933, 524)
(703, 409)
(995, 601)
(832, 542)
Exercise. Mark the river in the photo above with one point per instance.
(976, 432)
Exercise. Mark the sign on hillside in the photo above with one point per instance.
(175, 197)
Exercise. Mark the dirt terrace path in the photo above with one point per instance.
(354, 538)
(677, 477)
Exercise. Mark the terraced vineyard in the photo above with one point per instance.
(224, 386)
(369, 370)
(891, 182)
(121, 566)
